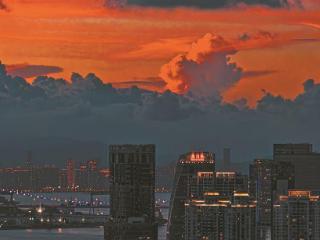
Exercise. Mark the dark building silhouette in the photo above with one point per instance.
(49, 178)
(305, 161)
(192, 168)
(15, 179)
(45, 178)
(132, 214)
(268, 179)
(226, 159)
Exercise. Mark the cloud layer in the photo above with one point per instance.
(28, 71)
(86, 109)
(206, 69)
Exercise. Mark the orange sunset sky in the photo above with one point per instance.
(134, 43)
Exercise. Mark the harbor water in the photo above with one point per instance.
(78, 233)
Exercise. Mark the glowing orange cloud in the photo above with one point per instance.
(206, 68)
(203, 68)
(122, 45)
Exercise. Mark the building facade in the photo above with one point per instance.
(297, 216)
(226, 183)
(217, 218)
(240, 218)
(305, 161)
(268, 179)
(132, 213)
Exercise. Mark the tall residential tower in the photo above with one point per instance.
(132, 188)
(268, 179)
(297, 216)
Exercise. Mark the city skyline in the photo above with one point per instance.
(276, 201)
(271, 202)
(226, 157)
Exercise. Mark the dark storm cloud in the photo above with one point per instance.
(27, 71)
(51, 112)
(206, 4)
(85, 93)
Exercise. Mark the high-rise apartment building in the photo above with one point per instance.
(132, 214)
(297, 216)
(217, 218)
(305, 161)
(204, 220)
(268, 179)
(193, 174)
(240, 218)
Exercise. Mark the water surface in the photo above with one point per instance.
(72, 234)
(57, 234)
